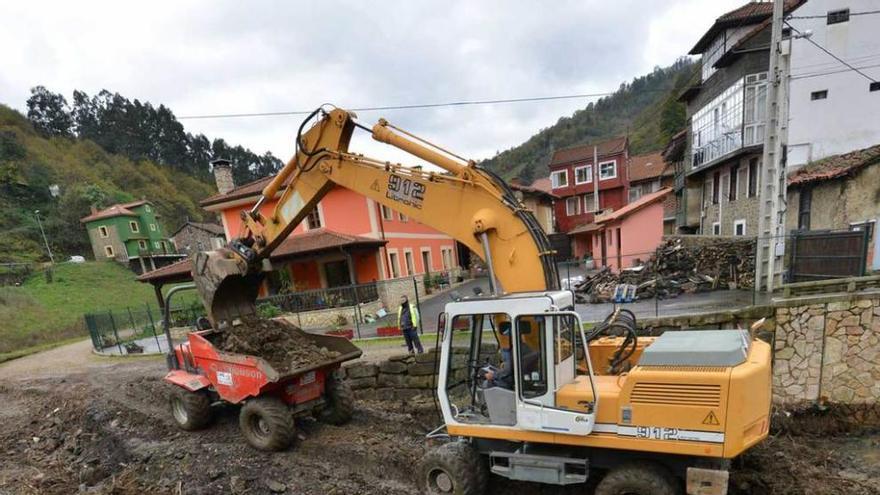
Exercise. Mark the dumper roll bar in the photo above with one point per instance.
(166, 323)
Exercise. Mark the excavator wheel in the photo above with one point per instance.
(454, 468)
(267, 424)
(638, 479)
(339, 402)
(190, 410)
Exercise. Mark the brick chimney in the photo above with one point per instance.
(223, 175)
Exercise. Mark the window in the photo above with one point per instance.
(559, 179)
(716, 187)
(819, 95)
(156, 244)
(838, 16)
(142, 244)
(733, 185)
(403, 218)
(589, 203)
(313, 220)
(410, 266)
(147, 208)
(108, 251)
(755, 111)
(446, 256)
(805, 202)
(532, 355)
(868, 227)
(739, 227)
(134, 226)
(635, 192)
(716, 228)
(607, 170)
(386, 212)
(753, 177)
(874, 86)
(583, 175)
(572, 206)
(394, 261)
(103, 232)
(153, 227)
(426, 260)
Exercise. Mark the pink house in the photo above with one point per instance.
(629, 236)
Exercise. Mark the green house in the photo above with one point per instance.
(130, 233)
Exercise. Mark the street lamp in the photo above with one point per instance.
(43, 233)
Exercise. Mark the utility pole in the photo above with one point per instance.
(595, 182)
(771, 219)
(43, 233)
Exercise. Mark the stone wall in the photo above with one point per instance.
(828, 348)
(390, 290)
(323, 318)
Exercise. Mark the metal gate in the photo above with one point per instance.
(826, 254)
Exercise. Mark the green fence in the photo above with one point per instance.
(136, 330)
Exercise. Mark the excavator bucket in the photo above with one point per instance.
(226, 285)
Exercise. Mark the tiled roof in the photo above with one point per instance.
(750, 13)
(244, 191)
(650, 166)
(675, 148)
(298, 244)
(583, 228)
(585, 151)
(634, 206)
(532, 190)
(120, 209)
(211, 228)
(836, 166)
(543, 184)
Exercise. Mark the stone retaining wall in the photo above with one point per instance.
(828, 348)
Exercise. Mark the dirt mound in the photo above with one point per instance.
(283, 345)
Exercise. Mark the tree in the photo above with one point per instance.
(49, 113)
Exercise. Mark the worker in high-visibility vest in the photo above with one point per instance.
(408, 323)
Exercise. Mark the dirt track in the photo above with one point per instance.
(108, 431)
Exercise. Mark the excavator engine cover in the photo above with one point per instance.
(227, 285)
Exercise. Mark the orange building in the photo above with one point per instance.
(355, 239)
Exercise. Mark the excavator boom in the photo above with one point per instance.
(470, 204)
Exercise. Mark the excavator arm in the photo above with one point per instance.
(466, 202)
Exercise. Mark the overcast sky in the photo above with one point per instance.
(202, 57)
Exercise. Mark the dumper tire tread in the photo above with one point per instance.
(638, 479)
(460, 461)
(277, 419)
(339, 402)
(196, 406)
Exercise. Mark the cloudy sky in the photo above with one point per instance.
(202, 57)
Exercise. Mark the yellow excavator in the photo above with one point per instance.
(557, 404)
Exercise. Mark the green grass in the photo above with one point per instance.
(39, 314)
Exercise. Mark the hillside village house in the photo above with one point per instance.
(726, 111)
(627, 237)
(648, 174)
(130, 233)
(572, 180)
(540, 202)
(348, 239)
(192, 237)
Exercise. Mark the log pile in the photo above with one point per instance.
(676, 268)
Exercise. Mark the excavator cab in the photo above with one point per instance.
(517, 383)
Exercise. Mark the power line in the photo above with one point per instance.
(825, 16)
(842, 61)
(818, 74)
(414, 106)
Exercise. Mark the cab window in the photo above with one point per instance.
(532, 355)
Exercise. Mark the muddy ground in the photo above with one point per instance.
(108, 430)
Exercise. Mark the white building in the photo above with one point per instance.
(832, 108)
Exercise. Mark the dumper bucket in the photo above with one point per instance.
(226, 286)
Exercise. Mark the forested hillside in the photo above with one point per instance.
(646, 109)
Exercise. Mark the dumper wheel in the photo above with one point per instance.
(453, 468)
(190, 410)
(638, 479)
(267, 423)
(339, 402)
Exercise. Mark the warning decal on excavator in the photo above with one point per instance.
(711, 419)
(375, 185)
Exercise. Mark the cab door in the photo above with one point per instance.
(545, 361)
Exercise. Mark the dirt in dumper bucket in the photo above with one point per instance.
(283, 345)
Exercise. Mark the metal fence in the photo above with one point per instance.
(136, 330)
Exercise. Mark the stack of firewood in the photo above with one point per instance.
(675, 268)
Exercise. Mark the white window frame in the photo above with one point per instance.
(153, 227)
(320, 213)
(142, 244)
(430, 266)
(588, 202)
(637, 189)
(737, 223)
(157, 245)
(447, 261)
(103, 231)
(555, 184)
(403, 218)
(108, 251)
(568, 203)
(614, 169)
(716, 228)
(147, 208)
(394, 263)
(387, 213)
(589, 179)
(409, 262)
(133, 225)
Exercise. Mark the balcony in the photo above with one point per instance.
(165, 250)
(335, 297)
